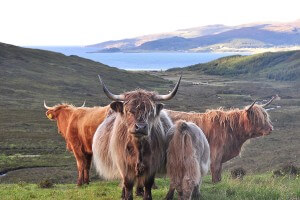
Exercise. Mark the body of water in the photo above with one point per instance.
(139, 61)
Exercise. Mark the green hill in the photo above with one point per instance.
(278, 66)
(31, 75)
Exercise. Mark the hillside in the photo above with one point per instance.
(31, 75)
(279, 66)
(215, 38)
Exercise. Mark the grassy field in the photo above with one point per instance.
(254, 187)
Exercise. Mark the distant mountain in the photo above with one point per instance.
(247, 37)
(186, 33)
(283, 66)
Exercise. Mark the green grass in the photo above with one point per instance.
(253, 187)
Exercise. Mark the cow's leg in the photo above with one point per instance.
(180, 193)
(128, 186)
(196, 193)
(187, 187)
(171, 191)
(148, 185)
(139, 187)
(88, 158)
(216, 170)
(123, 193)
(216, 163)
(219, 173)
(81, 164)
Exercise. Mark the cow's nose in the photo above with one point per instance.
(140, 127)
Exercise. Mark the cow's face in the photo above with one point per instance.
(138, 108)
(53, 112)
(139, 112)
(259, 123)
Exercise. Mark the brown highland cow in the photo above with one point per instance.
(227, 130)
(188, 159)
(131, 142)
(77, 126)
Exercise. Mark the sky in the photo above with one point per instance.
(74, 22)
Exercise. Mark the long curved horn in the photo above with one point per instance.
(83, 104)
(47, 107)
(170, 95)
(269, 102)
(109, 94)
(252, 105)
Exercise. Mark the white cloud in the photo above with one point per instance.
(65, 22)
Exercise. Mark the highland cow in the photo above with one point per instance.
(77, 126)
(188, 159)
(131, 143)
(227, 130)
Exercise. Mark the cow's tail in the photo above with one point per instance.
(182, 162)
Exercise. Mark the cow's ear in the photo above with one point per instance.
(117, 106)
(159, 107)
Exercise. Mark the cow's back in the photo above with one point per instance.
(208, 126)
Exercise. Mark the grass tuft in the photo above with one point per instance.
(238, 173)
(47, 183)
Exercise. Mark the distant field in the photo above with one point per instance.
(256, 187)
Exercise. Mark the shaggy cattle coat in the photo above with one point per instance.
(121, 153)
(77, 126)
(227, 130)
(188, 159)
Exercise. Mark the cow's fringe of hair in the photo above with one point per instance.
(184, 166)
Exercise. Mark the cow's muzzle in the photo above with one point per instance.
(141, 129)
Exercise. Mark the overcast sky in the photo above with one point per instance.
(64, 22)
